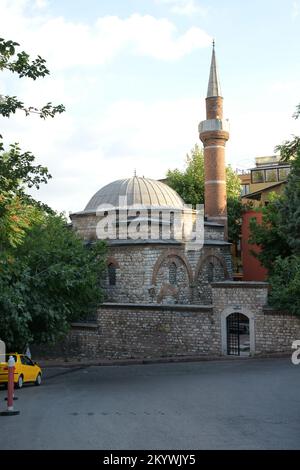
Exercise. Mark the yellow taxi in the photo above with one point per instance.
(25, 371)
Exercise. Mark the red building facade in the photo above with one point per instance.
(252, 268)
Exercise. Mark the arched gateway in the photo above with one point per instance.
(237, 332)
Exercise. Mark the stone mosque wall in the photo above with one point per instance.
(127, 331)
(143, 273)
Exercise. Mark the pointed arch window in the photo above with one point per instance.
(173, 273)
(210, 272)
(112, 274)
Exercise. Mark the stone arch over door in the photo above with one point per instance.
(167, 292)
(251, 317)
(210, 268)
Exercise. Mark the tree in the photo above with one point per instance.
(17, 208)
(279, 234)
(269, 233)
(235, 208)
(290, 207)
(285, 284)
(190, 186)
(17, 169)
(21, 64)
(48, 278)
(51, 280)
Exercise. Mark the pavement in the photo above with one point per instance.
(233, 404)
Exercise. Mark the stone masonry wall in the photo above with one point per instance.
(142, 273)
(140, 331)
(152, 331)
(273, 331)
(276, 331)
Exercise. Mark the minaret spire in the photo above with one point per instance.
(214, 133)
(214, 87)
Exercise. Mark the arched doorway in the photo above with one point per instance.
(238, 334)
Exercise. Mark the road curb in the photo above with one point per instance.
(144, 361)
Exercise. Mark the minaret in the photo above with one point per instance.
(213, 132)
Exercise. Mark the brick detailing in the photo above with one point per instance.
(167, 293)
(172, 256)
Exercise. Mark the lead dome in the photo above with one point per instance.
(135, 191)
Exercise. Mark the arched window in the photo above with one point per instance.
(210, 272)
(173, 273)
(112, 278)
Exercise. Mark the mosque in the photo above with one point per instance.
(169, 290)
(162, 263)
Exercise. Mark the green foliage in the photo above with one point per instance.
(48, 278)
(48, 281)
(235, 208)
(18, 209)
(189, 184)
(269, 234)
(17, 171)
(16, 218)
(21, 64)
(290, 208)
(279, 234)
(290, 149)
(285, 284)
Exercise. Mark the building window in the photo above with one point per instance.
(257, 176)
(284, 173)
(245, 189)
(173, 274)
(271, 175)
(112, 278)
(210, 272)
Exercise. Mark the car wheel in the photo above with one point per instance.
(38, 380)
(20, 382)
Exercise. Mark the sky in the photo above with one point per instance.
(133, 77)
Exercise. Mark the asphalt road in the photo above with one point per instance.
(238, 404)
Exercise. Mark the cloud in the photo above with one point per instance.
(95, 141)
(295, 9)
(68, 43)
(285, 86)
(40, 4)
(184, 7)
(87, 153)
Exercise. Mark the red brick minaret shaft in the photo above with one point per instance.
(213, 132)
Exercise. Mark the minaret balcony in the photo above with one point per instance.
(213, 125)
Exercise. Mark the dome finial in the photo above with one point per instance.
(213, 43)
(134, 172)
